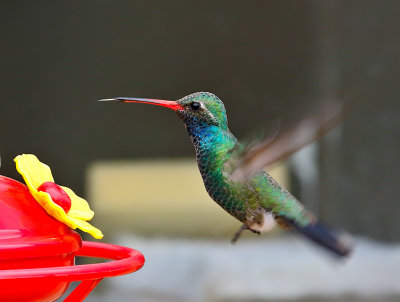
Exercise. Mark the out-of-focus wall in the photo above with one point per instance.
(58, 58)
(266, 60)
(360, 162)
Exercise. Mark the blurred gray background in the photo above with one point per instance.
(267, 60)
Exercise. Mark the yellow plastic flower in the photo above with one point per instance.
(38, 178)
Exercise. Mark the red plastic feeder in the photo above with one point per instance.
(37, 252)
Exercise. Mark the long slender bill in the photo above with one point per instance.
(169, 104)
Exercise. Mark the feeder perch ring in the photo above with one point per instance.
(126, 260)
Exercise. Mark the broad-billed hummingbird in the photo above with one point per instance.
(257, 200)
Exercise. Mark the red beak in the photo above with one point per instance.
(169, 104)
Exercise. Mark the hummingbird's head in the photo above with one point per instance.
(203, 108)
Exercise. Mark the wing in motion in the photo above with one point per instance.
(253, 156)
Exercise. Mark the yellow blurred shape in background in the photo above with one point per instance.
(159, 197)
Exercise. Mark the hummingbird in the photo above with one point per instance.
(255, 199)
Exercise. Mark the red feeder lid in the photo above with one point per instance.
(26, 230)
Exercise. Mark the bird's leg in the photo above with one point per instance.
(239, 232)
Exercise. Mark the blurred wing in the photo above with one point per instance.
(254, 155)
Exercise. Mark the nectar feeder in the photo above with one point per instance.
(37, 252)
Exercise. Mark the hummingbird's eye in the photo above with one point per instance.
(195, 105)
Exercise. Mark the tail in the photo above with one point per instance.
(337, 242)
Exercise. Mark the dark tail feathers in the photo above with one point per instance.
(337, 242)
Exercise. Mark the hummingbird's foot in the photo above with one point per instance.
(239, 232)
